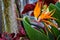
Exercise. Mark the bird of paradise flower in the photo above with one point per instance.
(43, 16)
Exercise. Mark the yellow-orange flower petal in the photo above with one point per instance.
(37, 10)
(46, 15)
(47, 27)
(50, 23)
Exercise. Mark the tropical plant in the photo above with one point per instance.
(45, 24)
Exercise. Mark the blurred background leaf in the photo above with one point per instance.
(58, 37)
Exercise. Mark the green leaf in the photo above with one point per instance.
(55, 31)
(58, 4)
(32, 33)
(51, 36)
(58, 37)
(57, 12)
(41, 30)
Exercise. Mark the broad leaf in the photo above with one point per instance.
(51, 36)
(57, 12)
(58, 4)
(58, 37)
(41, 30)
(32, 33)
(55, 31)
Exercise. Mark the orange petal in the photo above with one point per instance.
(37, 10)
(43, 15)
(50, 23)
(47, 27)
